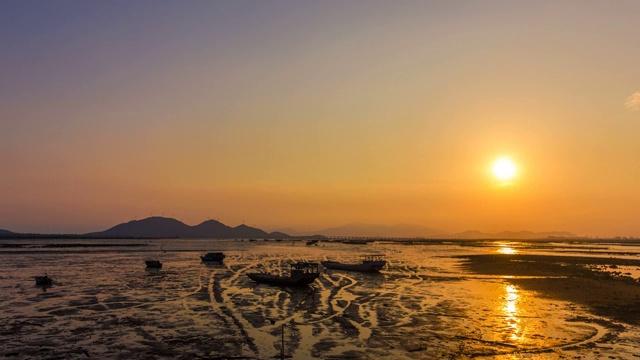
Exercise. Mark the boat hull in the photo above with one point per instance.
(283, 280)
(153, 264)
(43, 281)
(368, 266)
(213, 257)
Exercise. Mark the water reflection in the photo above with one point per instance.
(507, 250)
(510, 310)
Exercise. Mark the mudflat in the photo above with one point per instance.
(433, 300)
(596, 282)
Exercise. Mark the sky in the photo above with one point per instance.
(314, 114)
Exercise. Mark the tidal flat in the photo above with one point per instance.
(469, 299)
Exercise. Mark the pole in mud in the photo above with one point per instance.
(282, 346)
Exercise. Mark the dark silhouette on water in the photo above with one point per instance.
(153, 264)
(370, 263)
(302, 273)
(213, 257)
(43, 280)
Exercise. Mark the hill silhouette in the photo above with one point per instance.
(159, 227)
(509, 235)
(373, 230)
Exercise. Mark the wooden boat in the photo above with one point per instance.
(43, 280)
(302, 273)
(153, 264)
(370, 263)
(213, 257)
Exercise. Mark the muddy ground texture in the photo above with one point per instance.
(594, 282)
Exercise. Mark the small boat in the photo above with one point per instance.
(356, 242)
(213, 257)
(43, 280)
(312, 242)
(153, 264)
(370, 263)
(302, 273)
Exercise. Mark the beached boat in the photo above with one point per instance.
(153, 264)
(302, 273)
(43, 280)
(356, 242)
(370, 263)
(213, 257)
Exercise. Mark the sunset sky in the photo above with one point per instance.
(307, 115)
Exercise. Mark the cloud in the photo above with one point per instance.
(633, 102)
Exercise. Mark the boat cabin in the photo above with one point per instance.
(303, 267)
(373, 258)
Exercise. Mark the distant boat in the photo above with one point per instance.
(153, 264)
(312, 242)
(302, 273)
(356, 242)
(370, 263)
(213, 257)
(43, 280)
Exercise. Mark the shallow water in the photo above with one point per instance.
(104, 304)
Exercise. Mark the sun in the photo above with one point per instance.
(504, 169)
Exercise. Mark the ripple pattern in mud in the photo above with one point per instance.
(106, 305)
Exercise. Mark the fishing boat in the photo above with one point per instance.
(302, 273)
(370, 263)
(153, 264)
(43, 280)
(213, 257)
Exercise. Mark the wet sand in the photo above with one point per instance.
(594, 282)
(433, 301)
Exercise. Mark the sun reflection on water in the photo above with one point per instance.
(510, 310)
(507, 250)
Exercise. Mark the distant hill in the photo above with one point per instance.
(373, 230)
(417, 231)
(6, 232)
(159, 227)
(509, 235)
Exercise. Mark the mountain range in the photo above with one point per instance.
(158, 227)
(371, 230)
(161, 227)
(508, 235)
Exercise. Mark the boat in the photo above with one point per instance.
(370, 263)
(302, 273)
(356, 242)
(213, 257)
(44, 280)
(153, 264)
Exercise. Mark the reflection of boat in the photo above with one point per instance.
(213, 257)
(370, 263)
(43, 280)
(302, 273)
(153, 264)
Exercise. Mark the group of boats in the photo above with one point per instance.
(304, 273)
(207, 258)
(300, 273)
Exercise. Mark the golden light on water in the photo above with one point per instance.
(510, 310)
(507, 250)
